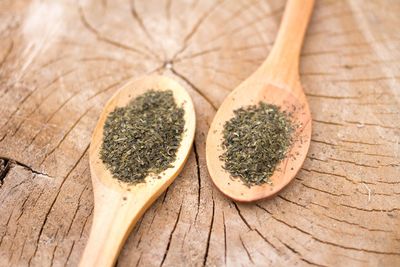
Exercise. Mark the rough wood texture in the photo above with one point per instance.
(61, 60)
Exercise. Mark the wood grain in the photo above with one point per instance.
(61, 60)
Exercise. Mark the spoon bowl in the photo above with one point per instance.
(245, 95)
(118, 205)
(276, 82)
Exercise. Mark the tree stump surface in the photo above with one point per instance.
(61, 60)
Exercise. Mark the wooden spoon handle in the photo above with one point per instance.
(283, 61)
(113, 219)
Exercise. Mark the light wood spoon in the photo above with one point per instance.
(118, 205)
(277, 82)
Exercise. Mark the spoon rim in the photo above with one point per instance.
(100, 173)
(222, 179)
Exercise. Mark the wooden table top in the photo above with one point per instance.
(61, 60)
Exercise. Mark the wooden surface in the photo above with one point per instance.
(61, 60)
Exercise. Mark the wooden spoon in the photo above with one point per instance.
(118, 205)
(276, 82)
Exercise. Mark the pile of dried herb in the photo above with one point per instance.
(143, 137)
(255, 140)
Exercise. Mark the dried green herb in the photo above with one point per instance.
(143, 137)
(255, 140)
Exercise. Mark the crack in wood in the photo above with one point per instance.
(85, 222)
(7, 223)
(370, 210)
(52, 205)
(49, 119)
(22, 249)
(387, 182)
(218, 49)
(194, 88)
(319, 205)
(106, 40)
(330, 174)
(39, 196)
(3, 137)
(253, 229)
(360, 142)
(9, 163)
(42, 101)
(111, 86)
(323, 142)
(139, 20)
(43, 225)
(245, 248)
(50, 62)
(151, 223)
(292, 202)
(209, 231)
(241, 216)
(324, 191)
(327, 242)
(317, 159)
(138, 226)
(65, 135)
(4, 169)
(22, 209)
(195, 28)
(171, 234)
(336, 97)
(372, 124)
(328, 122)
(336, 219)
(266, 239)
(8, 53)
(299, 254)
(103, 58)
(233, 75)
(354, 163)
(75, 211)
(17, 185)
(165, 195)
(225, 246)
(20, 104)
(247, 25)
(54, 250)
(70, 252)
(198, 179)
(356, 224)
(138, 262)
(197, 54)
(365, 80)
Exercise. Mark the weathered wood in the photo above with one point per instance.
(61, 60)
